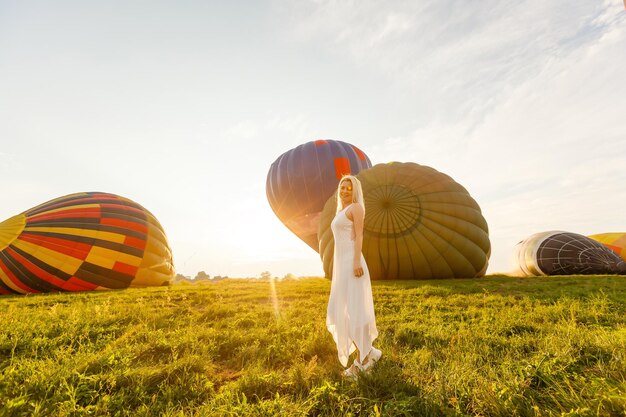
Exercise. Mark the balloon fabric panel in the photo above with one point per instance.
(81, 242)
(562, 254)
(615, 241)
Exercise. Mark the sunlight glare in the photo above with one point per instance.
(274, 298)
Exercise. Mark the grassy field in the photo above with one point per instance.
(495, 346)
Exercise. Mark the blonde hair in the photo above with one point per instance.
(357, 192)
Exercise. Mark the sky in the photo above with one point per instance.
(183, 106)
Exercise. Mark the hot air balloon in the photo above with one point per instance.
(300, 181)
(419, 224)
(614, 241)
(565, 253)
(83, 241)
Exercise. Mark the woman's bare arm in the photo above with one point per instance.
(358, 214)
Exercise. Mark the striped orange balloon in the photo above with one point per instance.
(83, 241)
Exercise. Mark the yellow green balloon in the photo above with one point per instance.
(419, 224)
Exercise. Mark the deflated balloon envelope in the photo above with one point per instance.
(419, 224)
(300, 181)
(83, 241)
(565, 253)
(614, 241)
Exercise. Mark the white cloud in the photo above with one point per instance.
(563, 135)
(297, 125)
(523, 102)
(454, 56)
(246, 129)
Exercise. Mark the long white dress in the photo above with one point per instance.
(350, 315)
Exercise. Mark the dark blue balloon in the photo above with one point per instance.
(301, 180)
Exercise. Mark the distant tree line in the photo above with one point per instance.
(202, 276)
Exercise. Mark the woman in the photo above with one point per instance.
(350, 316)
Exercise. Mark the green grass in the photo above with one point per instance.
(495, 346)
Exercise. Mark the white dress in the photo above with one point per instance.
(350, 315)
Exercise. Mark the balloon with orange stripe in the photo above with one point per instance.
(83, 241)
(300, 181)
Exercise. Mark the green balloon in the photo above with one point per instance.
(419, 224)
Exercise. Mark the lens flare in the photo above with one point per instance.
(274, 298)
